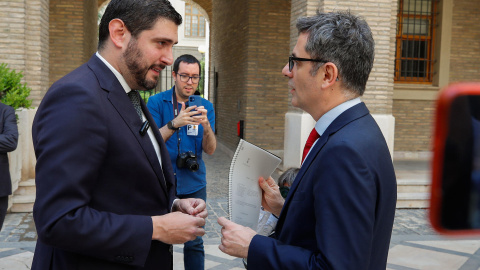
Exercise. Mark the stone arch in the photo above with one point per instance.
(206, 7)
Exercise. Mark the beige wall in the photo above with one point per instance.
(24, 42)
(414, 120)
(465, 51)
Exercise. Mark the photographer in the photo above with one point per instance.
(187, 130)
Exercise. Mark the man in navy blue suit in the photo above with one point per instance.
(105, 184)
(340, 209)
(8, 143)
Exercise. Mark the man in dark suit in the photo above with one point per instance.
(105, 188)
(340, 209)
(8, 143)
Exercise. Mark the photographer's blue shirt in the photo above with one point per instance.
(161, 108)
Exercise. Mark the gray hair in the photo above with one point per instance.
(288, 176)
(343, 39)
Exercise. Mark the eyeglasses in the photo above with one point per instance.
(284, 191)
(185, 78)
(292, 58)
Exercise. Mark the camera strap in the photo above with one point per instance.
(175, 114)
(174, 103)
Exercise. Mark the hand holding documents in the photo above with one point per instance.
(245, 196)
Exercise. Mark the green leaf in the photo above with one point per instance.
(12, 91)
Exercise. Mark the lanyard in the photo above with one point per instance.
(175, 114)
(175, 103)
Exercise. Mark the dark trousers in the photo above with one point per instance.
(3, 209)
(193, 251)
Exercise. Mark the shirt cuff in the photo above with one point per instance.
(171, 210)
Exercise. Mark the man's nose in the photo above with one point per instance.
(167, 57)
(286, 71)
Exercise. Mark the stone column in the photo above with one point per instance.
(36, 48)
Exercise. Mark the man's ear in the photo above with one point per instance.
(174, 76)
(330, 75)
(118, 33)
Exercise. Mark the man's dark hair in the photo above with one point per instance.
(138, 15)
(343, 39)
(187, 58)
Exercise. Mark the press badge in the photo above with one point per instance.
(192, 130)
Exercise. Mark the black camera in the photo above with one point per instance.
(187, 160)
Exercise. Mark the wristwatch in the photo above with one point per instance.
(170, 126)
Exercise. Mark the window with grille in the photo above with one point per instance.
(194, 22)
(414, 45)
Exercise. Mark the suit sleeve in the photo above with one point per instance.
(70, 140)
(343, 194)
(9, 136)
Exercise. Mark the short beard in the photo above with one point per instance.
(133, 56)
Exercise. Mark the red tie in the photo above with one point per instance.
(311, 139)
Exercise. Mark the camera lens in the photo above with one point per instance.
(192, 164)
(187, 160)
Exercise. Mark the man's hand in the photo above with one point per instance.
(235, 238)
(202, 119)
(186, 116)
(191, 206)
(177, 228)
(272, 199)
(209, 142)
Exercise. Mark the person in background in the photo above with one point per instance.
(8, 143)
(340, 209)
(188, 132)
(285, 181)
(105, 185)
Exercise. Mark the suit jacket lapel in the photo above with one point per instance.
(164, 155)
(343, 119)
(119, 99)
